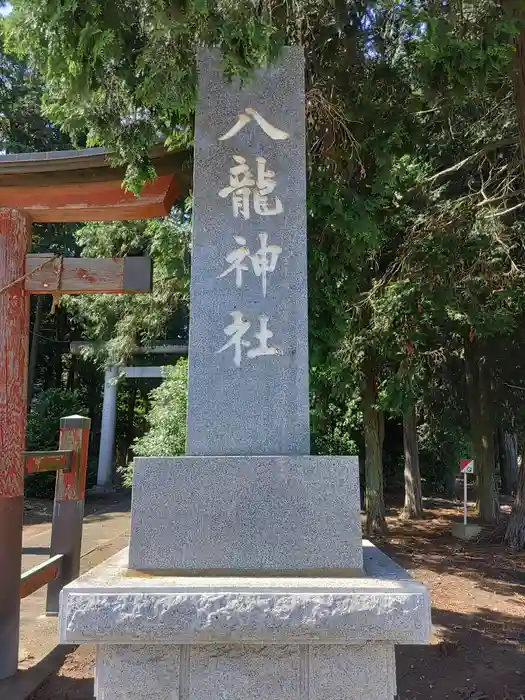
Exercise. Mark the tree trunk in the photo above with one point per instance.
(71, 373)
(130, 420)
(515, 9)
(33, 354)
(373, 429)
(515, 535)
(361, 459)
(508, 460)
(482, 432)
(58, 355)
(413, 508)
(486, 476)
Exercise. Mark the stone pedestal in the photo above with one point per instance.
(246, 578)
(244, 638)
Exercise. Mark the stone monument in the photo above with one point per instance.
(246, 576)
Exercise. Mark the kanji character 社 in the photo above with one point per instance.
(235, 331)
(263, 336)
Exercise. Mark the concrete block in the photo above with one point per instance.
(247, 672)
(249, 514)
(111, 605)
(366, 672)
(466, 532)
(250, 672)
(135, 672)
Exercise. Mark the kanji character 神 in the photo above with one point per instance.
(263, 261)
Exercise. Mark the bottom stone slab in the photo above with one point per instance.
(245, 638)
(245, 672)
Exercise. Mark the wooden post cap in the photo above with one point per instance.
(73, 422)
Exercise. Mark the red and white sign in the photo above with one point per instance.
(466, 466)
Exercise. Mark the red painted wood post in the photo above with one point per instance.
(68, 508)
(14, 335)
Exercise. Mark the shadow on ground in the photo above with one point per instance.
(74, 680)
(38, 511)
(429, 544)
(64, 688)
(479, 657)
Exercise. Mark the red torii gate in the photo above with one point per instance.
(59, 186)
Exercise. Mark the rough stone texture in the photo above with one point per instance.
(261, 407)
(137, 672)
(246, 513)
(366, 672)
(109, 605)
(284, 672)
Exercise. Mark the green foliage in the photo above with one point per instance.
(416, 184)
(124, 72)
(43, 421)
(43, 431)
(22, 125)
(125, 321)
(166, 435)
(335, 412)
(441, 447)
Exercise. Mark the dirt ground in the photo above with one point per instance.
(478, 600)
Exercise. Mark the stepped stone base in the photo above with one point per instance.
(245, 638)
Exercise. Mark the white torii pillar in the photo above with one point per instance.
(109, 416)
(107, 428)
(109, 407)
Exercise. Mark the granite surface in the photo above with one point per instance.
(286, 672)
(246, 514)
(111, 605)
(258, 406)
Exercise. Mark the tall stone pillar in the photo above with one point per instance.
(248, 350)
(245, 576)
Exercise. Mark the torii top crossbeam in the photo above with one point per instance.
(81, 186)
(59, 186)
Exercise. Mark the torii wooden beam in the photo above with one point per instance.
(44, 187)
(81, 186)
(48, 274)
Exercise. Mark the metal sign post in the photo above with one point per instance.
(466, 466)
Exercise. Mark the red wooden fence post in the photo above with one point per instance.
(14, 335)
(68, 508)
